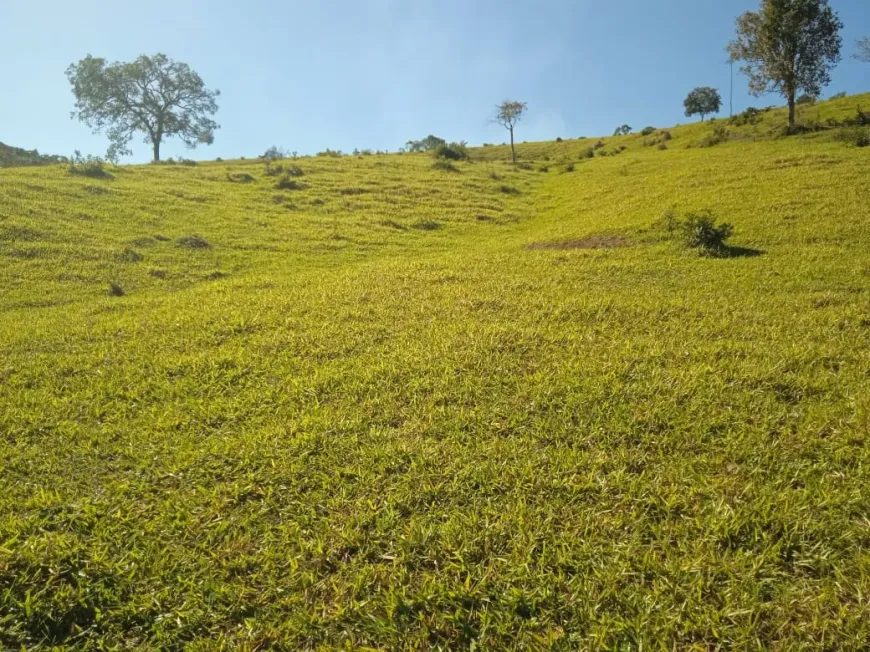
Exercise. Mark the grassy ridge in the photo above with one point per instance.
(371, 432)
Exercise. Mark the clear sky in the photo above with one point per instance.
(307, 75)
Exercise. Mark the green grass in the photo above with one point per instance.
(402, 407)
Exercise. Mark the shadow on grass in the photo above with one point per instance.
(729, 251)
(741, 252)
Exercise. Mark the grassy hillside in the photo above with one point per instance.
(401, 407)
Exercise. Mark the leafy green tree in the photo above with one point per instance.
(624, 130)
(702, 101)
(155, 96)
(508, 114)
(428, 144)
(788, 46)
(862, 50)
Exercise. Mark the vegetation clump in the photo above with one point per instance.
(193, 241)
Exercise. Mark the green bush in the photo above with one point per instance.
(719, 135)
(750, 116)
(589, 153)
(452, 152)
(700, 231)
(568, 167)
(854, 136)
(648, 131)
(90, 166)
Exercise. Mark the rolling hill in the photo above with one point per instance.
(372, 404)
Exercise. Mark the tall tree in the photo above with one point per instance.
(508, 114)
(862, 50)
(702, 101)
(788, 46)
(155, 96)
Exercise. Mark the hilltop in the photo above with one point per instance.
(372, 403)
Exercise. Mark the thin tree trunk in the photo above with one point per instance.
(156, 151)
(513, 151)
(791, 108)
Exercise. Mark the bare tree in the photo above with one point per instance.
(508, 114)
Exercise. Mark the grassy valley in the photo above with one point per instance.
(380, 405)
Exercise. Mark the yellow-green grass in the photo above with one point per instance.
(364, 433)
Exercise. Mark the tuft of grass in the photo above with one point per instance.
(286, 182)
(193, 242)
(445, 165)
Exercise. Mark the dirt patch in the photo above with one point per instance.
(591, 242)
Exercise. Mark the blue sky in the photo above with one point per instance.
(374, 73)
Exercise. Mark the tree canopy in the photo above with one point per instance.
(862, 50)
(428, 144)
(154, 96)
(788, 46)
(702, 101)
(623, 130)
(508, 114)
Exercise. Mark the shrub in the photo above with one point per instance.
(838, 96)
(288, 183)
(589, 153)
(273, 169)
(273, 154)
(700, 231)
(666, 135)
(524, 166)
(622, 130)
(508, 190)
(218, 160)
(719, 135)
(543, 168)
(854, 136)
(193, 241)
(453, 151)
(494, 176)
(294, 171)
(241, 177)
(750, 116)
(188, 162)
(568, 167)
(115, 290)
(444, 164)
(91, 166)
(331, 153)
(806, 98)
(559, 139)
(648, 131)
(426, 225)
(662, 146)
(598, 145)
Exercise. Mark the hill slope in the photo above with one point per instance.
(405, 407)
